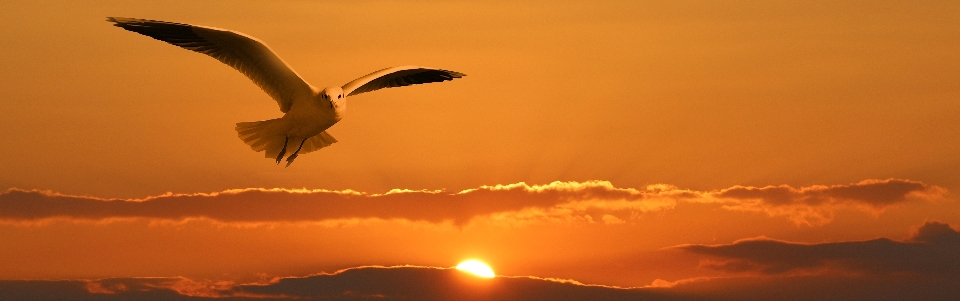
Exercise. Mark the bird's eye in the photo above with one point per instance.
(339, 96)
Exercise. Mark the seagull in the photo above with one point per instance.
(308, 111)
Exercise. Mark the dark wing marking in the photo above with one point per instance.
(398, 77)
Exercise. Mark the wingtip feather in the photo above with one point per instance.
(455, 74)
(122, 20)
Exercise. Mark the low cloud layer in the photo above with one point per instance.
(420, 283)
(933, 251)
(428, 283)
(924, 266)
(821, 287)
(519, 202)
(381, 283)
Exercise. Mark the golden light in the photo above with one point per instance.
(476, 267)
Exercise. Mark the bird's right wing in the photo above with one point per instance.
(398, 77)
(242, 52)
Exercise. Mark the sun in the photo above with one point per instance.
(476, 267)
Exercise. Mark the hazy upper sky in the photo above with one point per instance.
(699, 94)
(713, 99)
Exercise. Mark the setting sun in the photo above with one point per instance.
(477, 268)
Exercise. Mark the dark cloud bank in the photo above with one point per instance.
(806, 205)
(925, 266)
(376, 283)
(933, 251)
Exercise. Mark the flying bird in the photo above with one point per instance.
(308, 111)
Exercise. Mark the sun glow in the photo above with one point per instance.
(476, 267)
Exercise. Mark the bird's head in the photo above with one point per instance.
(334, 95)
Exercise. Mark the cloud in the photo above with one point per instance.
(282, 205)
(383, 283)
(428, 283)
(421, 283)
(122, 289)
(43, 290)
(816, 204)
(924, 266)
(513, 203)
(611, 220)
(820, 287)
(932, 251)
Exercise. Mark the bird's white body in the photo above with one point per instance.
(308, 118)
(308, 111)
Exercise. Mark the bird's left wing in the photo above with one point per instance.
(398, 77)
(242, 52)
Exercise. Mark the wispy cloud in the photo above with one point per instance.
(815, 205)
(513, 203)
(283, 205)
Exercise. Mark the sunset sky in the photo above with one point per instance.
(627, 149)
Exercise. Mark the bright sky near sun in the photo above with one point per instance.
(626, 143)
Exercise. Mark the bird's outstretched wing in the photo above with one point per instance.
(242, 52)
(398, 77)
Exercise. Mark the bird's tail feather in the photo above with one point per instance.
(317, 142)
(266, 135)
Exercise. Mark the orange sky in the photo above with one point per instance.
(816, 125)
